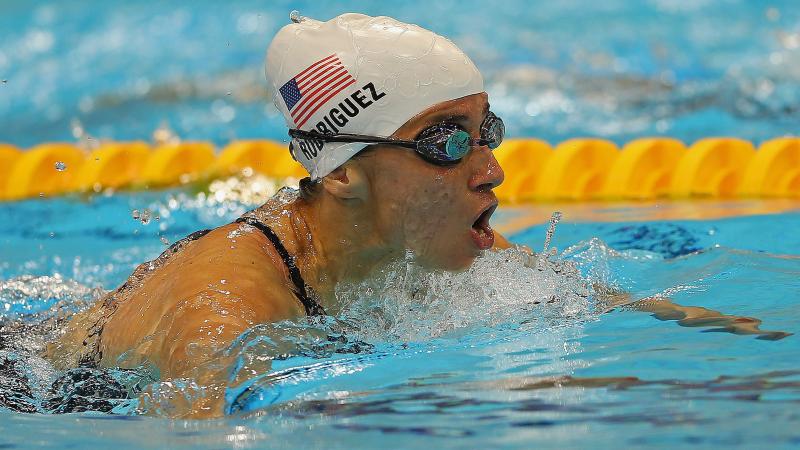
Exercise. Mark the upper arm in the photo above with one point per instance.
(228, 286)
(196, 335)
(228, 297)
(198, 330)
(205, 296)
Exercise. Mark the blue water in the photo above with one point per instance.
(477, 368)
(476, 376)
(554, 70)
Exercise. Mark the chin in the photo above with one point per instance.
(451, 255)
(461, 267)
(455, 263)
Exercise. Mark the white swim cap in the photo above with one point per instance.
(361, 75)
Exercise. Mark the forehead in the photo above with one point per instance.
(469, 111)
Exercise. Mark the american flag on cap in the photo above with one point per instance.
(313, 87)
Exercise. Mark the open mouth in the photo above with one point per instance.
(481, 231)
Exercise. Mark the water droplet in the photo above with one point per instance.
(164, 240)
(223, 281)
(142, 216)
(228, 93)
(5, 81)
(556, 217)
(548, 237)
(61, 166)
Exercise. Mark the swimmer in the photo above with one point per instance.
(395, 128)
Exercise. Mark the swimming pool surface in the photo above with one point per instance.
(474, 364)
(504, 356)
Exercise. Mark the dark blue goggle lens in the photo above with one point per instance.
(447, 143)
(493, 130)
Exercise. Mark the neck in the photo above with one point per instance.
(337, 242)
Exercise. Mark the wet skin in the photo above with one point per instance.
(177, 316)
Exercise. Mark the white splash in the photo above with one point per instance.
(407, 303)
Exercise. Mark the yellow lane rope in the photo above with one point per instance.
(577, 169)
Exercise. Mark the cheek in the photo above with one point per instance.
(442, 205)
(434, 221)
(423, 208)
(430, 199)
(411, 193)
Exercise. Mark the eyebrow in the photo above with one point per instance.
(453, 118)
(449, 118)
(458, 118)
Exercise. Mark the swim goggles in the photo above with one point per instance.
(441, 144)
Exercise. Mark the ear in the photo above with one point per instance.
(347, 182)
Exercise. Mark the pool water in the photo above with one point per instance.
(554, 70)
(497, 356)
(516, 353)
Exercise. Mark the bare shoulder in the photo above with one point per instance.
(228, 275)
(237, 261)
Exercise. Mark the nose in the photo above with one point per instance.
(487, 173)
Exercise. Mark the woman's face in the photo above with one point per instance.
(440, 213)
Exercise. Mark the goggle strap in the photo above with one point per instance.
(349, 138)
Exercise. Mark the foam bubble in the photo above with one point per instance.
(407, 303)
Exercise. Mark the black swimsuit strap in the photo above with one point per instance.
(312, 307)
